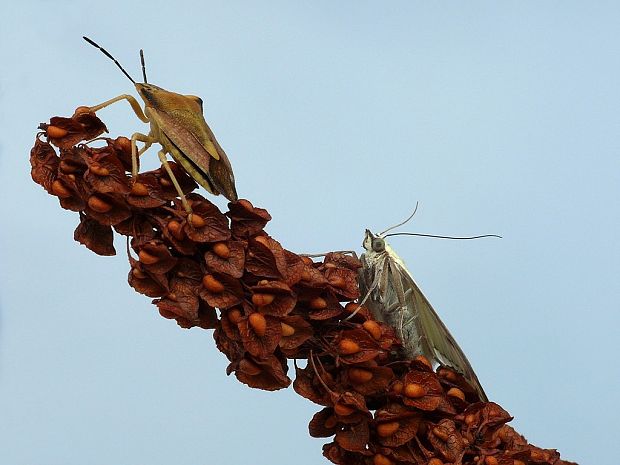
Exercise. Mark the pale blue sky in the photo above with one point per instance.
(499, 117)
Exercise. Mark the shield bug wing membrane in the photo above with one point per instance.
(395, 298)
(189, 139)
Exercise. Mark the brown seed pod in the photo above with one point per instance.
(387, 429)
(456, 392)
(287, 330)
(147, 258)
(318, 303)
(260, 300)
(440, 433)
(138, 189)
(343, 410)
(424, 360)
(197, 221)
(59, 190)
(348, 347)
(249, 367)
(221, 250)
(212, 284)
(176, 229)
(359, 375)
(372, 328)
(98, 204)
(258, 323)
(397, 387)
(414, 390)
(379, 459)
(234, 315)
(55, 132)
(99, 170)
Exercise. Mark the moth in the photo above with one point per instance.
(178, 125)
(393, 297)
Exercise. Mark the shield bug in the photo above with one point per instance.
(178, 125)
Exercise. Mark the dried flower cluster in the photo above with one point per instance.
(268, 305)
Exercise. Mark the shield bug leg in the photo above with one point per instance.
(135, 154)
(135, 106)
(316, 255)
(166, 165)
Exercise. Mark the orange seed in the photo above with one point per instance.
(147, 258)
(343, 410)
(359, 375)
(55, 132)
(318, 303)
(59, 190)
(99, 170)
(348, 347)
(212, 284)
(234, 315)
(139, 189)
(387, 429)
(287, 330)
(258, 323)
(379, 459)
(99, 205)
(490, 460)
(456, 392)
(373, 328)
(197, 221)
(415, 390)
(221, 250)
(260, 299)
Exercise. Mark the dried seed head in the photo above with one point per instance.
(456, 392)
(414, 390)
(138, 189)
(55, 132)
(343, 410)
(258, 323)
(59, 190)
(287, 330)
(221, 250)
(98, 204)
(387, 429)
(373, 328)
(318, 303)
(260, 299)
(147, 258)
(348, 347)
(359, 375)
(212, 284)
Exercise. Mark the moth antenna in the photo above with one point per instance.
(143, 66)
(106, 53)
(444, 237)
(400, 224)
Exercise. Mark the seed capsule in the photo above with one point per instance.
(138, 189)
(379, 459)
(99, 170)
(175, 228)
(260, 300)
(287, 330)
(414, 390)
(456, 392)
(348, 347)
(59, 190)
(424, 360)
(318, 303)
(55, 132)
(147, 258)
(221, 250)
(197, 221)
(137, 273)
(373, 328)
(258, 323)
(387, 429)
(99, 205)
(397, 387)
(234, 315)
(359, 375)
(343, 410)
(212, 284)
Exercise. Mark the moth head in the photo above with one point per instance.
(373, 242)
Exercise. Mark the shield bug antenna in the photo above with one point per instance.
(178, 125)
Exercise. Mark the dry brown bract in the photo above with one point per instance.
(268, 305)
